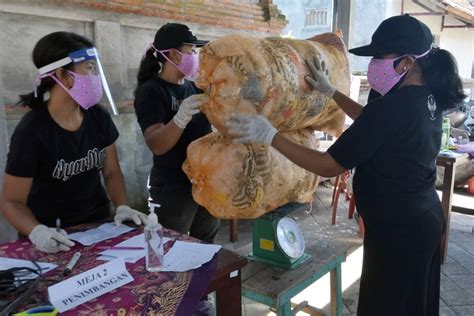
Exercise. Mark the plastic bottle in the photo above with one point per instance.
(446, 134)
(154, 241)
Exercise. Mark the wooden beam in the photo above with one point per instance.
(308, 309)
(462, 210)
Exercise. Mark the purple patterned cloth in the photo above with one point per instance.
(162, 293)
(466, 148)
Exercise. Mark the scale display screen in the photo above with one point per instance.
(289, 237)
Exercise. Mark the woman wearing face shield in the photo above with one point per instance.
(394, 142)
(62, 146)
(167, 108)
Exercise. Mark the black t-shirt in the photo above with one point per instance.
(157, 101)
(65, 166)
(393, 144)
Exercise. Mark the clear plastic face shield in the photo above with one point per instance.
(89, 78)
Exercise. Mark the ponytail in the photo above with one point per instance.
(32, 101)
(150, 66)
(441, 77)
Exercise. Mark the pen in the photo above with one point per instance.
(119, 248)
(71, 263)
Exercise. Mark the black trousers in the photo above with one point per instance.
(401, 266)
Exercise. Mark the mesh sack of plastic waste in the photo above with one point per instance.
(246, 180)
(241, 74)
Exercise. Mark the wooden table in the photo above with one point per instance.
(227, 283)
(449, 164)
(275, 287)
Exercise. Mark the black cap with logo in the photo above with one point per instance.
(400, 34)
(174, 35)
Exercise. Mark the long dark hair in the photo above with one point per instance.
(440, 73)
(51, 48)
(150, 66)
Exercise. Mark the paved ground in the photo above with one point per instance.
(457, 279)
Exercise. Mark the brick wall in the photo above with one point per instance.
(248, 15)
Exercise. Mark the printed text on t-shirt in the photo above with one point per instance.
(65, 170)
(175, 103)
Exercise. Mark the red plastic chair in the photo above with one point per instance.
(340, 186)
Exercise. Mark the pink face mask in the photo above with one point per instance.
(382, 76)
(189, 63)
(86, 90)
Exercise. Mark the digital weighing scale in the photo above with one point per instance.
(277, 239)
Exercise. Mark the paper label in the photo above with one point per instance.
(89, 285)
(267, 244)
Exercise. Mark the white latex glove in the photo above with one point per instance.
(319, 80)
(251, 129)
(187, 109)
(126, 213)
(47, 239)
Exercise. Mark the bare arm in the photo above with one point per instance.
(349, 106)
(160, 138)
(312, 160)
(13, 203)
(113, 177)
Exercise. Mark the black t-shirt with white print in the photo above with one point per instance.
(65, 166)
(394, 144)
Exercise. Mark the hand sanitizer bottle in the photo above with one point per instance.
(154, 241)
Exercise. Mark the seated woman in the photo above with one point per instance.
(61, 147)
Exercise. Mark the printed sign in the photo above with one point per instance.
(89, 285)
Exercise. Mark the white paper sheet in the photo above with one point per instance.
(89, 285)
(131, 256)
(184, 256)
(103, 232)
(8, 263)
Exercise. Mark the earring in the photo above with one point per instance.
(405, 68)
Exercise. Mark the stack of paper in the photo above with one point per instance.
(184, 256)
(130, 256)
(103, 232)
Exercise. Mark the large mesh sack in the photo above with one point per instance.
(246, 180)
(266, 76)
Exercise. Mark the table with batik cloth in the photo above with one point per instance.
(164, 293)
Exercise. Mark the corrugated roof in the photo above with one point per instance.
(462, 6)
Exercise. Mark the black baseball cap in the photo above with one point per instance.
(174, 35)
(401, 34)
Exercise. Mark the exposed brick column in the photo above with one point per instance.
(263, 17)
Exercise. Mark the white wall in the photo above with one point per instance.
(295, 11)
(459, 41)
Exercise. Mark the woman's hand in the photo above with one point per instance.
(48, 239)
(187, 109)
(251, 129)
(319, 79)
(126, 213)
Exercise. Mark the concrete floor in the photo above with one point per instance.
(457, 279)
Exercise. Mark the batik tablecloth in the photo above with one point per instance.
(162, 293)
